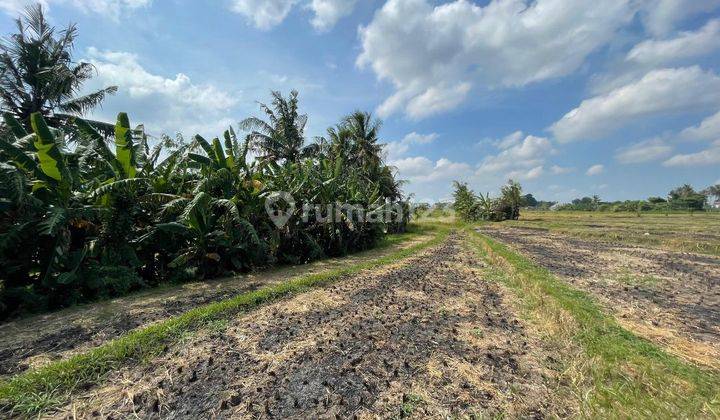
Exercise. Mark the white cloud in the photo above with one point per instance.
(709, 156)
(328, 12)
(685, 45)
(163, 104)
(395, 149)
(709, 129)
(421, 169)
(559, 170)
(595, 170)
(522, 159)
(658, 92)
(522, 175)
(419, 47)
(510, 140)
(437, 99)
(644, 151)
(264, 14)
(109, 8)
(662, 16)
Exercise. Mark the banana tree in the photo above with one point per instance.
(117, 190)
(213, 238)
(45, 239)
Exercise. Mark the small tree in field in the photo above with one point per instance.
(511, 199)
(465, 204)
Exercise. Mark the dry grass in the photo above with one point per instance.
(699, 232)
(612, 372)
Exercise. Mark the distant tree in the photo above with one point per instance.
(713, 191)
(682, 191)
(37, 74)
(511, 196)
(465, 204)
(656, 200)
(685, 197)
(529, 200)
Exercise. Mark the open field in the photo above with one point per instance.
(699, 232)
(37, 340)
(444, 322)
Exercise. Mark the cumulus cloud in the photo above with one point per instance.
(595, 170)
(523, 175)
(421, 169)
(110, 8)
(685, 45)
(264, 14)
(658, 92)
(162, 103)
(644, 151)
(510, 140)
(520, 159)
(329, 12)
(661, 17)
(395, 149)
(560, 170)
(709, 129)
(419, 47)
(710, 156)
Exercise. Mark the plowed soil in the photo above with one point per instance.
(426, 337)
(37, 340)
(672, 298)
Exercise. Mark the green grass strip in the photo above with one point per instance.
(626, 376)
(43, 388)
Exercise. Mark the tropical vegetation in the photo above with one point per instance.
(92, 210)
(470, 207)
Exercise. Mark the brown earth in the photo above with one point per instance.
(40, 339)
(426, 337)
(669, 297)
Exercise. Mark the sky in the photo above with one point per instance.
(619, 98)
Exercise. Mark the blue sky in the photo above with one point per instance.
(619, 98)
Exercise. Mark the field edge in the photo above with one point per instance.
(41, 389)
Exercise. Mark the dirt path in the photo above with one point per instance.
(670, 297)
(40, 339)
(427, 337)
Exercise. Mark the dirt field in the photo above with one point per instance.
(670, 297)
(698, 233)
(40, 339)
(424, 337)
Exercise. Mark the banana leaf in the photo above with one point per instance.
(124, 147)
(17, 129)
(219, 155)
(51, 161)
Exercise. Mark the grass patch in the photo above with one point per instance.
(409, 405)
(41, 389)
(683, 232)
(636, 280)
(613, 372)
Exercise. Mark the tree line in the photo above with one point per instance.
(92, 210)
(682, 198)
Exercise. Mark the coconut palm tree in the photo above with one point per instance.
(37, 73)
(281, 138)
(363, 130)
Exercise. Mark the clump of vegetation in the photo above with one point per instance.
(470, 207)
(92, 210)
(683, 198)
